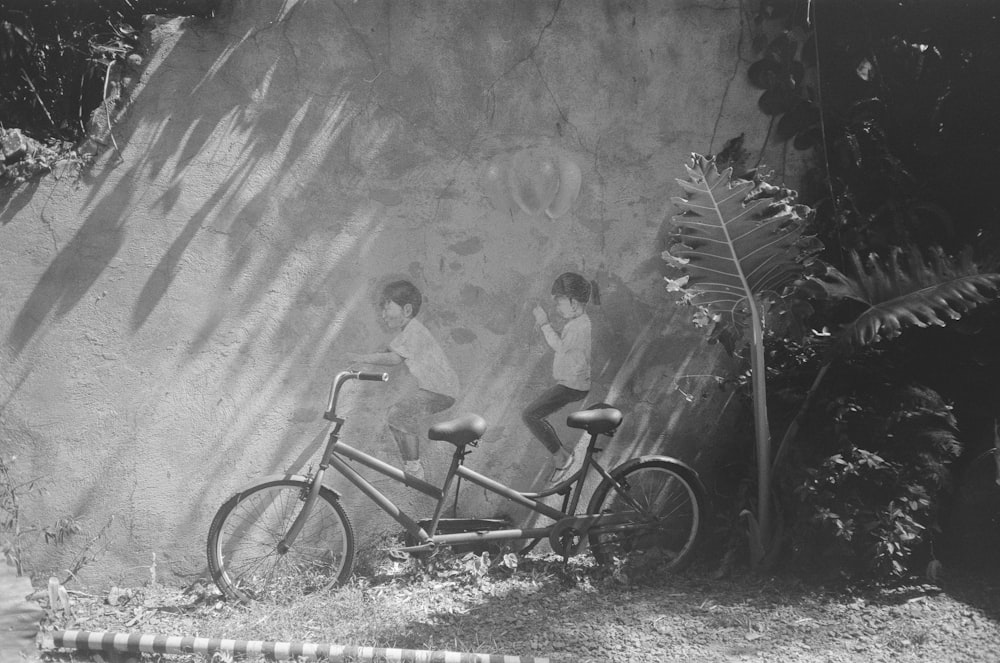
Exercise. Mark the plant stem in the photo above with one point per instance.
(793, 428)
(107, 112)
(41, 103)
(761, 429)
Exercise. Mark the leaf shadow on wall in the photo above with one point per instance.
(269, 170)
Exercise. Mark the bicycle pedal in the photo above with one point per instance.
(399, 555)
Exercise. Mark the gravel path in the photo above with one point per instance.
(742, 622)
(579, 616)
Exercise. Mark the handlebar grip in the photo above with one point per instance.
(374, 377)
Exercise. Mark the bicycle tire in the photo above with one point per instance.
(671, 492)
(243, 554)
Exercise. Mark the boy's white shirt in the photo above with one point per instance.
(425, 359)
(571, 365)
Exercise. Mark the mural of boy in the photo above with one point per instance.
(570, 366)
(414, 346)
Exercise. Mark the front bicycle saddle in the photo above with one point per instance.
(459, 431)
(596, 421)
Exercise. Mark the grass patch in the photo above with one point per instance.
(539, 605)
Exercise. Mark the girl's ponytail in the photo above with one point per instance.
(595, 293)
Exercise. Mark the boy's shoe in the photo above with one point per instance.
(414, 468)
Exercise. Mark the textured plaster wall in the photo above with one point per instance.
(171, 319)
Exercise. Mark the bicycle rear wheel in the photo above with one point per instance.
(670, 517)
(243, 543)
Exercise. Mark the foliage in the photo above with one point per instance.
(57, 61)
(13, 529)
(868, 490)
(748, 265)
(901, 194)
(909, 287)
(883, 296)
(54, 155)
(878, 491)
(740, 242)
(782, 70)
(741, 245)
(899, 113)
(16, 533)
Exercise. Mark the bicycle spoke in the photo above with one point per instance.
(243, 549)
(665, 506)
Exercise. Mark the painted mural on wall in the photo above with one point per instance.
(433, 384)
(539, 184)
(172, 321)
(571, 364)
(534, 181)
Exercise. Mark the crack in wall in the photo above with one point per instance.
(529, 56)
(361, 38)
(292, 51)
(271, 24)
(555, 102)
(736, 67)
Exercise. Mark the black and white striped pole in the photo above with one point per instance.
(97, 641)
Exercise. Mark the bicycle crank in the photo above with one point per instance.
(569, 536)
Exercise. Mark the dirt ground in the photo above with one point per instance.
(585, 616)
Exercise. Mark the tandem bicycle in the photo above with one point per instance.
(289, 535)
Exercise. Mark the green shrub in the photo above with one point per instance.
(56, 56)
(867, 492)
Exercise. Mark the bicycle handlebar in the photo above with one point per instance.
(375, 377)
(338, 381)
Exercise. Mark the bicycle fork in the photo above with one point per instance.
(315, 486)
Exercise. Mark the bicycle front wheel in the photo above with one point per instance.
(668, 503)
(245, 555)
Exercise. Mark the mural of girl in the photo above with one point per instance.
(571, 365)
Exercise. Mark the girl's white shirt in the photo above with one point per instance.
(571, 365)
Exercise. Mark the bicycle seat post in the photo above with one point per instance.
(457, 459)
(572, 499)
(592, 448)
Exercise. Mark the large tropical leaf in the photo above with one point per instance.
(740, 244)
(735, 240)
(906, 288)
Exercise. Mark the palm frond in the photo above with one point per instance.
(735, 239)
(907, 288)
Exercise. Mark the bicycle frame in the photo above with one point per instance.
(430, 539)
(564, 520)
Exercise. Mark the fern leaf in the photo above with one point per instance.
(907, 288)
(735, 239)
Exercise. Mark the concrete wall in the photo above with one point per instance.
(171, 319)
